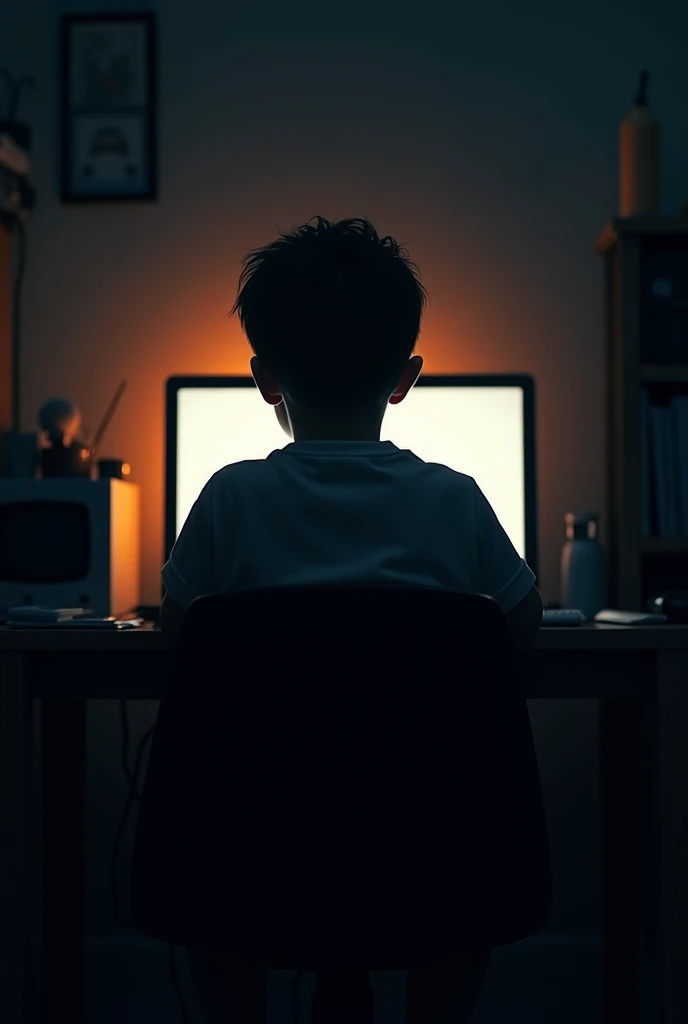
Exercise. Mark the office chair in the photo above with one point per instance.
(342, 779)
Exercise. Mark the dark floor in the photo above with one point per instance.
(545, 980)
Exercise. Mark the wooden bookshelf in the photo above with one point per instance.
(632, 250)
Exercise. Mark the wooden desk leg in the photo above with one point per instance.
(672, 785)
(620, 791)
(64, 860)
(15, 836)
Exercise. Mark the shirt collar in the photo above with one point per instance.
(333, 448)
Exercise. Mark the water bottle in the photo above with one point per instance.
(583, 572)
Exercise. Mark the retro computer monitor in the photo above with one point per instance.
(70, 542)
(483, 426)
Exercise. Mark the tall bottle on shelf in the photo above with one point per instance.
(639, 158)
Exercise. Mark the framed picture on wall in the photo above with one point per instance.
(108, 107)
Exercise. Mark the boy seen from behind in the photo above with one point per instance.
(332, 313)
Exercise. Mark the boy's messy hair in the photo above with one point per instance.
(314, 298)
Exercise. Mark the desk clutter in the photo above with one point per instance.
(39, 617)
(62, 447)
(70, 527)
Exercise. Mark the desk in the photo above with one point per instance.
(639, 675)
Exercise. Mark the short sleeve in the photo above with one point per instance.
(189, 571)
(503, 574)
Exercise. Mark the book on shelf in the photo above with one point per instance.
(645, 478)
(664, 466)
(679, 408)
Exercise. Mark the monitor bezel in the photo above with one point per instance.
(522, 380)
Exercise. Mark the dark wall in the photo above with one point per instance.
(481, 135)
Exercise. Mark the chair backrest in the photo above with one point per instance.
(342, 776)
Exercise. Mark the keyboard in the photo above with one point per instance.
(563, 617)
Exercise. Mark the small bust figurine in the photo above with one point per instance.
(60, 422)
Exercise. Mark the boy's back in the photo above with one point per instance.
(344, 511)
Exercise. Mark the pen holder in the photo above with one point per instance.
(74, 460)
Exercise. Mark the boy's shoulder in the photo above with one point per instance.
(236, 472)
(411, 469)
(234, 469)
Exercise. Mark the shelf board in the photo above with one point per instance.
(613, 229)
(669, 374)
(664, 545)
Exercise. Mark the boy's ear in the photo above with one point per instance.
(283, 419)
(265, 382)
(407, 380)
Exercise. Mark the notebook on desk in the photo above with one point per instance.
(112, 624)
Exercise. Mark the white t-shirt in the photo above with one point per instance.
(343, 512)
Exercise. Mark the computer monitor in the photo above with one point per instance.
(483, 426)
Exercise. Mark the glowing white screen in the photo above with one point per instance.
(478, 431)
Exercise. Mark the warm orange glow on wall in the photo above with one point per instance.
(487, 314)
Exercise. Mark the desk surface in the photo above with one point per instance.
(150, 638)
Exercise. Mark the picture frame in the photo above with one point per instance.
(109, 117)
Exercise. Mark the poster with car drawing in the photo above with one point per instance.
(108, 106)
